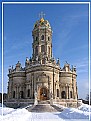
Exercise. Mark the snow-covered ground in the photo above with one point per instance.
(68, 114)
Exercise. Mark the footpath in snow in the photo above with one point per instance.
(68, 114)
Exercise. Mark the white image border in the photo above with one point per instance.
(44, 3)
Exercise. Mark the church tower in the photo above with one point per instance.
(42, 41)
(42, 78)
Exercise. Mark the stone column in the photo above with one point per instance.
(69, 91)
(39, 48)
(35, 102)
(10, 92)
(34, 50)
(32, 86)
(48, 88)
(74, 86)
(15, 92)
(47, 51)
(55, 91)
(19, 92)
(66, 87)
(26, 91)
(60, 91)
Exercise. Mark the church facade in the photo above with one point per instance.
(42, 73)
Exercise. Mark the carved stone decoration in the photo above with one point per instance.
(35, 102)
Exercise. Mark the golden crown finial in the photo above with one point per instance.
(42, 20)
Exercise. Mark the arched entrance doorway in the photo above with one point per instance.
(43, 93)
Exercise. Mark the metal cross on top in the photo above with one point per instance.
(41, 15)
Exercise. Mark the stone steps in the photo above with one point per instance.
(57, 108)
(44, 108)
(44, 102)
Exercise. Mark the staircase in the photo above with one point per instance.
(57, 108)
(44, 102)
(44, 106)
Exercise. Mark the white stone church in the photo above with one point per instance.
(42, 73)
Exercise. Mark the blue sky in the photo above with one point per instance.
(70, 36)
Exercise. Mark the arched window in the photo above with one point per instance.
(28, 93)
(13, 94)
(70, 94)
(42, 37)
(36, 38)
(57, 92)
(42, 48)
(63, 95)
(48, 38)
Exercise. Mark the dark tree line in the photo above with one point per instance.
(87, 101)
(89, 97)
